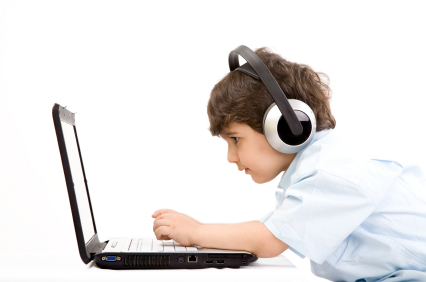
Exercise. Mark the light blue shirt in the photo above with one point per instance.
(354, 217)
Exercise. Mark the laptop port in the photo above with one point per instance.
(111, 258)
(221, 261)
(192, 258)
(208, 262)
(243, 261)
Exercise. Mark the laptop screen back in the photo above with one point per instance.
(78, 179)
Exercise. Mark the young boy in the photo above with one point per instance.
(355, 218)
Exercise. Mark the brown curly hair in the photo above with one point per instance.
(242, 99)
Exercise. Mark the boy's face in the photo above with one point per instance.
(251, 152)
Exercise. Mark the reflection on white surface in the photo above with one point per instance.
(78, 179)
(41, 267)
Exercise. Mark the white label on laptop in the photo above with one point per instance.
(114, 245)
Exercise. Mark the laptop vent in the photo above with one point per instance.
(147, 261)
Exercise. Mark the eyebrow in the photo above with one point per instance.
(228, 133)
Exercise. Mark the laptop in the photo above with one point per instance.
(124, 253)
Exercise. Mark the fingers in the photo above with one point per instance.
(162, 231)
(161, 211)
(165, 237)
(160, 222)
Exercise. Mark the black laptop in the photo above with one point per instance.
(124, 253)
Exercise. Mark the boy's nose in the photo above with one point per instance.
(232, 156)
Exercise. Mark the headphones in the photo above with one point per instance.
(289, 125)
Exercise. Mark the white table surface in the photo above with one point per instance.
(20, 266)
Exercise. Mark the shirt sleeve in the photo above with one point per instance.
(318, 213)
(265, 217)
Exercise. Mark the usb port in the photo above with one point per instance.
(220, 261)
(208, 262)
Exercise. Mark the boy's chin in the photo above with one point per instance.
(259, 180)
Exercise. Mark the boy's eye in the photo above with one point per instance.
(235, 139)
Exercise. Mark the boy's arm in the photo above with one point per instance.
(251, 236)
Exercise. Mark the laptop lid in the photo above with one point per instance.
(75, 178)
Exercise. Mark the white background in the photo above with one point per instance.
(139, 75)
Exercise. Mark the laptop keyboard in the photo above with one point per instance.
(153, 245)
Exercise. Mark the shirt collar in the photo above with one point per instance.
(286, 177)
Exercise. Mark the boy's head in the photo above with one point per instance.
(239, 101)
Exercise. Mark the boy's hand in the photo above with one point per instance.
(170, 224)
(157, 213)
(252, 236)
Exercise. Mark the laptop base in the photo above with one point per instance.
(171, 260)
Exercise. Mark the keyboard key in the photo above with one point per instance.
(157, 248)
(168, 243)
(180, 249)
(126, 244)
(147, 241)
(169, 248)
(133, 247)
(157, 242)
(135, 241)
(191, 249)
(146, 248)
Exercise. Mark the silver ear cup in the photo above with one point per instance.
(273, 124)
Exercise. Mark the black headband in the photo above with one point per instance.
(258, 70)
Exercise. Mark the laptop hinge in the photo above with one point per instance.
(98, 249)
